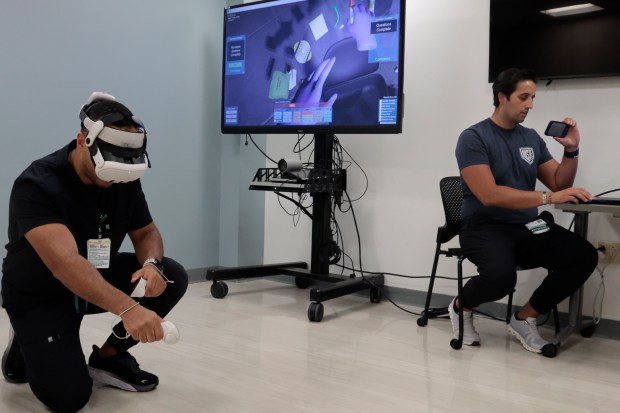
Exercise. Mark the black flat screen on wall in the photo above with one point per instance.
(524, 35)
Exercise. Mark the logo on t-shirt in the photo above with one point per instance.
(527, 154)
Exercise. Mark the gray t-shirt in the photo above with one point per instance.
(513, 155)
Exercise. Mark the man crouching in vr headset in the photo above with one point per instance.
(69, 213)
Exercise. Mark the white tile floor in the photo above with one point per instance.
(256, 351)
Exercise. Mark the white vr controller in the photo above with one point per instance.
(171, 332)
(140, 289)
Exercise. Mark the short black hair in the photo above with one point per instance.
(100, 108)
(506, 82)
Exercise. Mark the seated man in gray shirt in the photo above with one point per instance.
(500, 161)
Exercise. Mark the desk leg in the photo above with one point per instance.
(575, 303)
(574, 317)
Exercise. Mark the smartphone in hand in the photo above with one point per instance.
(556, 128)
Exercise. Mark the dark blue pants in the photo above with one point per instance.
(50, 341)
(497, 249)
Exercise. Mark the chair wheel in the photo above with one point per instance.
(587, 331)
(422, 321)
(315, 312)
(375, 295)
(456, 344)
(219, 289)
(549, 350)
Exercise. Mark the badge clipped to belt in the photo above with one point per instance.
(537, 227)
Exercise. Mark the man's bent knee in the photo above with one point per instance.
(66, 399)
(176, 273)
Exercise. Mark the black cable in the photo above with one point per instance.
(295, 214)
(299, 205)
(344, 211)
(413, 277)
(608, 192)
(358, 165)
(597, 195)
(337, 233)
(261, 151)
(291, 214)
(337, 163)
(298, 144)
(359, 246)
(359, 240)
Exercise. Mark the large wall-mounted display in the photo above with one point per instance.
(313, 66)
(581, 41)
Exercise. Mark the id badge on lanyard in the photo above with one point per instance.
(99, 250)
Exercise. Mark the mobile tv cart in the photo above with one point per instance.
(322, 183)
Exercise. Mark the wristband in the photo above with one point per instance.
(123, 312)
(572, 155)
(544, 198)
(155, 262)
(158, 266)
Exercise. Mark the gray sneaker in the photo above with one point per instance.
(527, 333)
(470, 335)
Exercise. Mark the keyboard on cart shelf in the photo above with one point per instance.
(310, 180)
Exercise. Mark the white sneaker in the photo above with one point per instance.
(470, 335)
(527, 333)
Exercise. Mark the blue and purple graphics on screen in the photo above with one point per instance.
(313, 66)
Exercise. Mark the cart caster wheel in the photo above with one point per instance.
(456, 344)
(302, 282)
(375, 295)
(219, 289)
(422, 321)
(549, 350)
(315, 312)
(587, 331)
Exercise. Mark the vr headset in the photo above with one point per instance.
(119, 156)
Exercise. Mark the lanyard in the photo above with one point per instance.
(102, 219)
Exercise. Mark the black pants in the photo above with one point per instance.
(50, 341)
(497, 249)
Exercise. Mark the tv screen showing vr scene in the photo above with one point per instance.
(313, 66)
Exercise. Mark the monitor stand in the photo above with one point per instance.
(319, 266)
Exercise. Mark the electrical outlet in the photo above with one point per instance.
(611, 250)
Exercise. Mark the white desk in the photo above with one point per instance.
(575, 304)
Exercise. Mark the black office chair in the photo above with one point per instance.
(452, 199)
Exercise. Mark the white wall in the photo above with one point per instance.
(446, 91)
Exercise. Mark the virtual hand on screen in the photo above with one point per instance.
(360, 28)
(312, 90)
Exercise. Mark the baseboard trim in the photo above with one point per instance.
(197, 275)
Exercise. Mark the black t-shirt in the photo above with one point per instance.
(50, 191)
